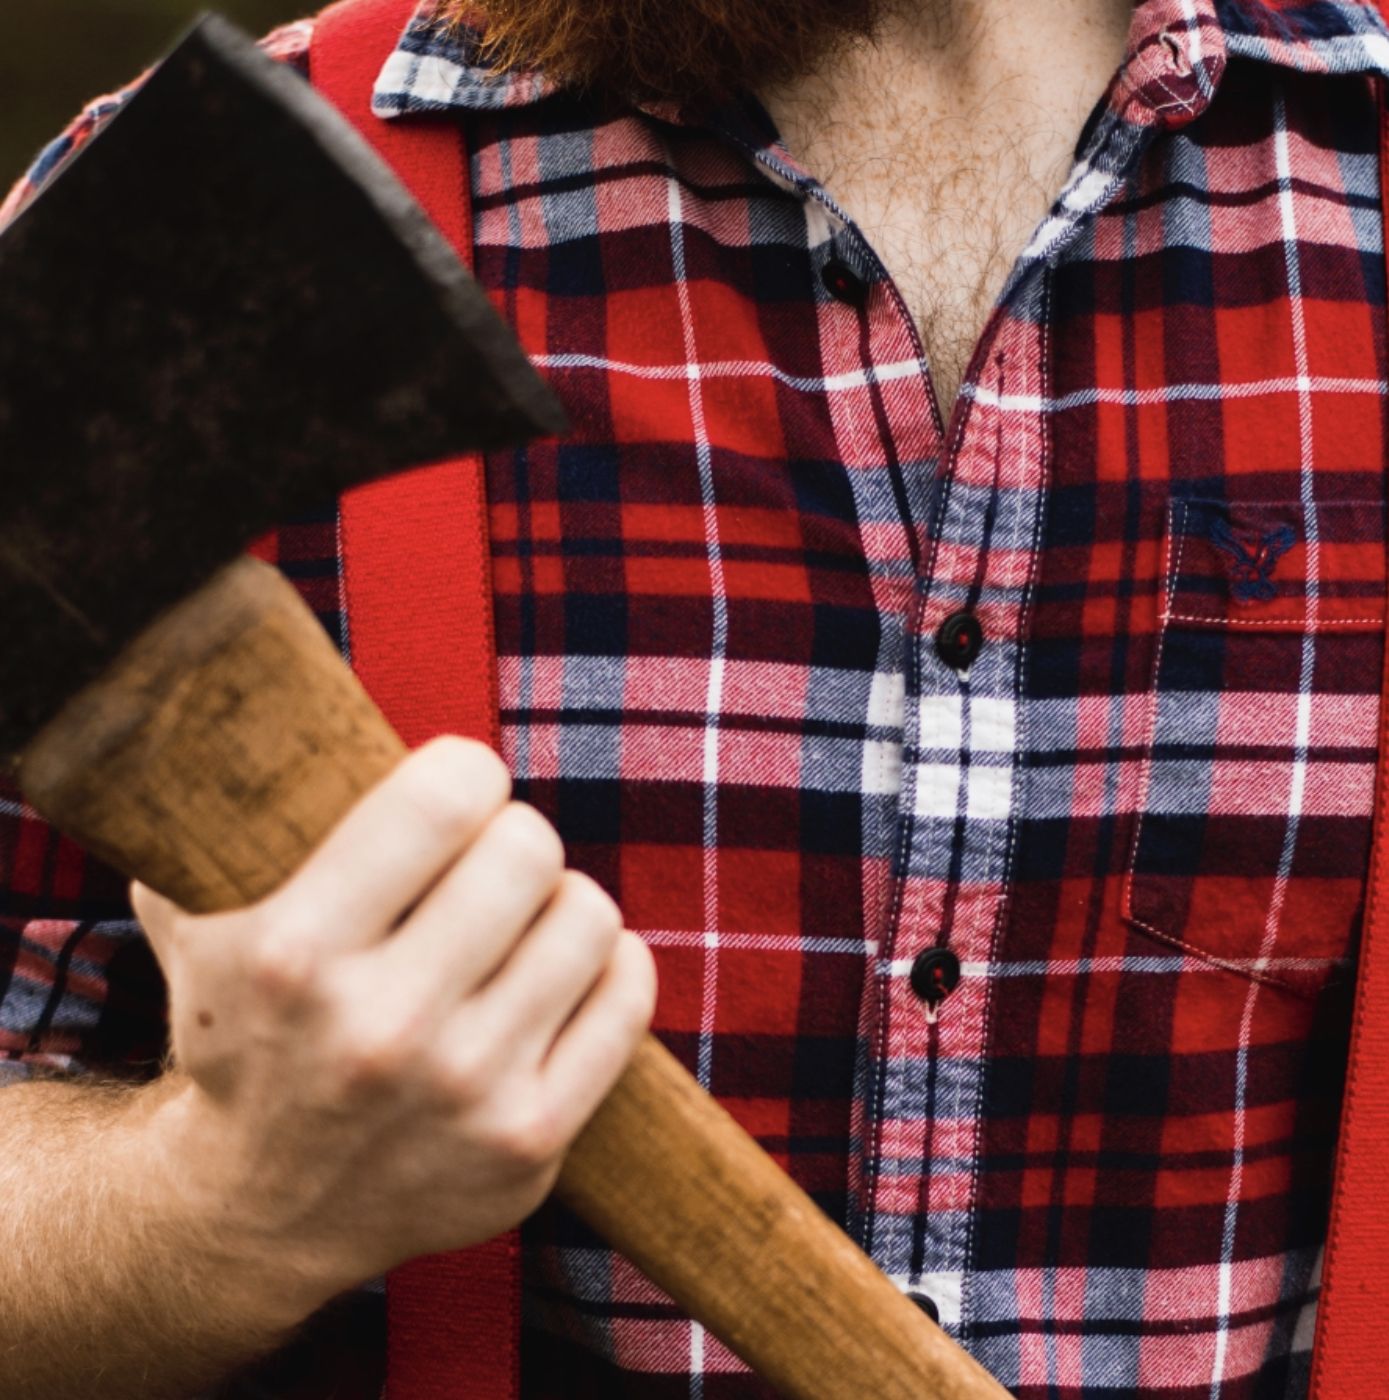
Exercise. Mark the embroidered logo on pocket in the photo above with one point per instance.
(1252, 561)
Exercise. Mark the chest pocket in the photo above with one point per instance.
(1253, 832)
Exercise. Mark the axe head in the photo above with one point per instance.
(223, 313)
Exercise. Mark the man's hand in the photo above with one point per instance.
(390, 1056)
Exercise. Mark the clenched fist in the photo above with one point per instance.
(390, 1056)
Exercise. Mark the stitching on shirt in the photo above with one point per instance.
(1207, 956)
(1290, 624)
(845, 342)
(1171, 566)
(1177, 104)
(969, 1281)
(1147, 68)
(1172, 563)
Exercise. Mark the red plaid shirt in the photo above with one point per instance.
(1073, 700)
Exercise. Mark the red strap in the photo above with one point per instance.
(1348, 1359)
(419, 595)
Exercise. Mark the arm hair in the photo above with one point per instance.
(109, 1284)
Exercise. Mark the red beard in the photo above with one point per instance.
(666, 50)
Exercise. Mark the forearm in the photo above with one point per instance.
(358, 1086)
(111, 1283)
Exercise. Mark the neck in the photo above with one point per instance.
(954, 63)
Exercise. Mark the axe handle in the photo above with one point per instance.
(219, 751)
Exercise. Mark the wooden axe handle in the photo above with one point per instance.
(222, 748)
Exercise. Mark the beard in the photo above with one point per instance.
(682, 51)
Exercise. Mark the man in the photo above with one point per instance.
(992, 782)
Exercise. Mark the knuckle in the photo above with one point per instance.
(463, 1075)
(381, 1053)
(530, 839)
(283, 967)
(592, 904)
(466, 756)
(454, 784)
(638, 982)
(529, 1138)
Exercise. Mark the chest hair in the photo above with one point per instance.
(947, 236)
(946, 171)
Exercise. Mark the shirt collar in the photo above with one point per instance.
(1325, 36)
(1176, 54)
(438, 69)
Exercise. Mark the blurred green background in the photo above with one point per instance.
(56, 54)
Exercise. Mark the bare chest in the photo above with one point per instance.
(948, 206)
(947, 140)
(948, 234)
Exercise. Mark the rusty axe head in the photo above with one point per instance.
(223, 313)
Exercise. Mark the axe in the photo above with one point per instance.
(176, 708)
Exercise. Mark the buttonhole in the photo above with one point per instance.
(1176, 52)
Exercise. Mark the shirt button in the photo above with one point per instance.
(935, 974)
(959, 640)
(843, 283)
(926, 1304)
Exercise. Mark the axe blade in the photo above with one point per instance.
(223, 313)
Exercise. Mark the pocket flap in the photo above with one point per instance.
(1276, 565)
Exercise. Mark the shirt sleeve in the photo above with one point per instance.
(80, 990)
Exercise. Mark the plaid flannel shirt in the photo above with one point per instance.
(738, 610)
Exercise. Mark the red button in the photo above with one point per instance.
(843, 283)
(959, 640)
(935, 974)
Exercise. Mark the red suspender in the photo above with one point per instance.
(1348, 1361)
(419, 606)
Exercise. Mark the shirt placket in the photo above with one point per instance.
(960, 510)
(966, 676)
(952, 554)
